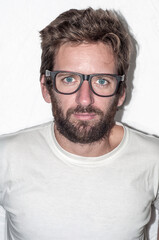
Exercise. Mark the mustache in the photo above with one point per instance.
(81, 109)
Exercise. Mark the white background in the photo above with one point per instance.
(21, 103)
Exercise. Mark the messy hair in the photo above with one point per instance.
(90, 26)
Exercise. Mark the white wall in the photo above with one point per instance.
(21, 104)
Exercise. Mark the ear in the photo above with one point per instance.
(122, 98)
(44, 90)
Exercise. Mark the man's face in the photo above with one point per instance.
(84, 117)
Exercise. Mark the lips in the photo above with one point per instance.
(85, 116)
(84, 113)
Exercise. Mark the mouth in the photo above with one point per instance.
(84, 116)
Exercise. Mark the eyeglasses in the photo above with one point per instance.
(101, 84)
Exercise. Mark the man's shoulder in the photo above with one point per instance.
(143, 140)
(23, 135)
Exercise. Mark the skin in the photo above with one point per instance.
(86, 58)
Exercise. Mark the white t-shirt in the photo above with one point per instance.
(50, 194)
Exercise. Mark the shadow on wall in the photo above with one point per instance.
(130, 75)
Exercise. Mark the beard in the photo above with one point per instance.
(84, 132)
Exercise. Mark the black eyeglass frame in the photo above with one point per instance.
(83, 77)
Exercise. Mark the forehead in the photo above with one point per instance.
(85, 57)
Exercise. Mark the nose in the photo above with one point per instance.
(84, 95)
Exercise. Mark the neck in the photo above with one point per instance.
(94, 149)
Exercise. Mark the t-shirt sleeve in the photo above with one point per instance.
(1, 170)
(4, 150)
(2, 173)
(156, 202)
(156, 205)
(152, 227)
(2, 223)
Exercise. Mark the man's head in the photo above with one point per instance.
(79, 26)
(87, 42)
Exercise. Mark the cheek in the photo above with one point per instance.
(104, 103)
(65, 102)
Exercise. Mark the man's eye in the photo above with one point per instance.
(69, 80)
(102, 82)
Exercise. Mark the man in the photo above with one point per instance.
(85, 176)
